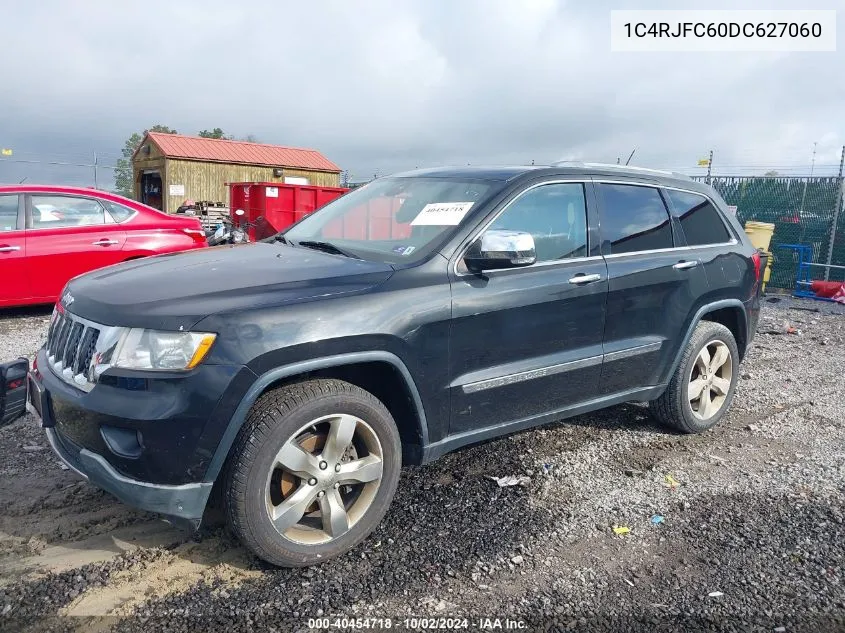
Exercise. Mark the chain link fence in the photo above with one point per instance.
(804, 211)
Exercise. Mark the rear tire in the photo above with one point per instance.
(702, 388)
(312, 472)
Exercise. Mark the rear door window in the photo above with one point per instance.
(634, 218)
(8, 212)
(700, 220)
(66, 211)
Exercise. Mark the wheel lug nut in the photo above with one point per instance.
(337, 468)
(321, 493)
(336, 484)
(312, 481)
(323, 465)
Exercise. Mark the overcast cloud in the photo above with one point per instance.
(386, 85)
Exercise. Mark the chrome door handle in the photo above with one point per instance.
(685, 265)
(104, 242)
(584, 279)
(9, 249)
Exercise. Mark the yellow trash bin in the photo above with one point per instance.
(767, 271)
(760, 233)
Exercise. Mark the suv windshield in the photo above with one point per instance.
(390, 219)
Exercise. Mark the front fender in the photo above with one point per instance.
(294, 369)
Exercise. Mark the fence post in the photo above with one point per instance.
(709, 166)
(836, 209)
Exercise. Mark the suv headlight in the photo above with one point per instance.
(139, 348)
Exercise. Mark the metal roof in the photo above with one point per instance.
(242, 152)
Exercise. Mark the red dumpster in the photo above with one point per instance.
(279, 204)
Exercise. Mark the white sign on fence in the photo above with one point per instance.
(732, 209)
(177, 190)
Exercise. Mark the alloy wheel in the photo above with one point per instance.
(324, 479)
(710, 380)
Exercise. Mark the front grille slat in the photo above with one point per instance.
(51, 333)
(86, 350)
(61, 339)
(72, 346)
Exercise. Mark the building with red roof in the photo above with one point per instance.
(168, 169)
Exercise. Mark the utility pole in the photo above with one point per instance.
(709, 166)
(95, 170)
(836, 209)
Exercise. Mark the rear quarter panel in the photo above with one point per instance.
(152, 233)
(142, 242)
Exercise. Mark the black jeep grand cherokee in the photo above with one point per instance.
(412, 316)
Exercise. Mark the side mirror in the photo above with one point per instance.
(497, 249)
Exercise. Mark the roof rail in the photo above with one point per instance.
(615, 166)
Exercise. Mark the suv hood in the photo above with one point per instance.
(176, 290)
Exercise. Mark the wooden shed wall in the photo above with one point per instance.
(154, 161)
(207, 180)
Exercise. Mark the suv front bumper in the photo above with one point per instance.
(182, 503)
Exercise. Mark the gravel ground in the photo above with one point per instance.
(739, 529)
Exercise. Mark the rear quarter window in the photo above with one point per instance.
(118, 212)
(700, 221)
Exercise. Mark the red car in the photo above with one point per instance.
(49, 234)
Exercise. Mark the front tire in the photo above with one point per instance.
(702, 387)
(312, 472)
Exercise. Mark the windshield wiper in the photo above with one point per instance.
(327, 247)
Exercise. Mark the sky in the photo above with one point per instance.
(381, 86)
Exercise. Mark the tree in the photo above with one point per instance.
(771, 173)
(215, 133)
(123, 170)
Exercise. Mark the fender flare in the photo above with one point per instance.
(710, 307)
(269, 377)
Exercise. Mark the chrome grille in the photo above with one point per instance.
(71, 344)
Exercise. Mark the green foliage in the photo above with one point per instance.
(123, 171)
(219, 133)
(215, 133)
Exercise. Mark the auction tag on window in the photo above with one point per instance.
(442, 214)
